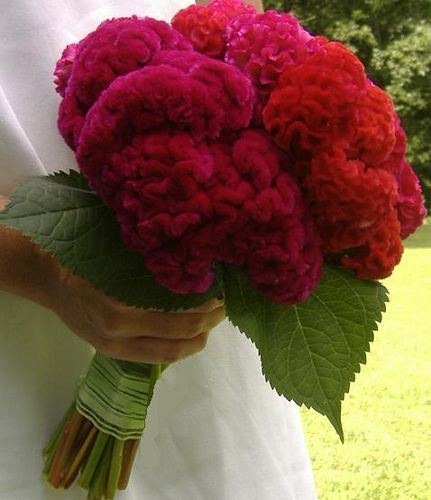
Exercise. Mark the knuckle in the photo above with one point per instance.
(194, 326)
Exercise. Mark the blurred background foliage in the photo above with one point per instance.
(393, 39)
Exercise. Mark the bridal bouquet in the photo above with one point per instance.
(227, 155)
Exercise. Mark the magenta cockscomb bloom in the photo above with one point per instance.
(185, 202)
(262, 221)
(63, 68)
(117, 47)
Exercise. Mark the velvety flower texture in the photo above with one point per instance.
(261, 220)
(205, 25)
(117, 47)
(315, 103)
(184, 201)
(63, 68)
(171, 139)
(263, 45)
(347, 147)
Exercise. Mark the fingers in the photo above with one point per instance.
(130, 323)
(151, 350)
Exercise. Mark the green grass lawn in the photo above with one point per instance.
(387, 414)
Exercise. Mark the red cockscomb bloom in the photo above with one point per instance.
(205, 25)
(374, 137)
(315, 104)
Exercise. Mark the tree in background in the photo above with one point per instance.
(393, 39)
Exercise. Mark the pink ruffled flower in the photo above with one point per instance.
(262, 222)
(191, 97)
(63, 68)
(264, 45)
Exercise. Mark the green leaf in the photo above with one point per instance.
(311, 351)
(60, 213)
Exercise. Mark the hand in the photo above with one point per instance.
(113, 329)
(129, 333)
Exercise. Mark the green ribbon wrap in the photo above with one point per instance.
(115, 395)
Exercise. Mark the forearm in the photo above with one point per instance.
(24, 269)
(256, 3)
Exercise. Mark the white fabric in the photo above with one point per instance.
(216, 430)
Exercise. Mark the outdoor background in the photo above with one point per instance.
(387, 414)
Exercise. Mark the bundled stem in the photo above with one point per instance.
(105, 462)
(79, 450)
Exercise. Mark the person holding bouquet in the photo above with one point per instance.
(216, 430)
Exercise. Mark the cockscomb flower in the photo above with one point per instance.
(315, 103)
(205, 25)
(376, 250)
(192, 94)
(264, 45)
(411, 210)
(117, 47)
(186, 205)
(262, 221)
(63, 68)
(374, 137)
(343, 190)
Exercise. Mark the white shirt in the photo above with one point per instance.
(215, 430)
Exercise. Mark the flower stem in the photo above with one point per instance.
(80, 458)
(93, 460)
(115, 469)
(97, 488)
(71, 429)
(130, 449)
(56, 436)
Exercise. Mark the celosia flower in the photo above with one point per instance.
(342, 190)
(376, 250)
(191, 97)
(262, 222)
(63, 68)
(374, 138)
(185, 205)
(314, 106)
(410, 207)
(205, 25)
(264, 45)
(116, 47)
